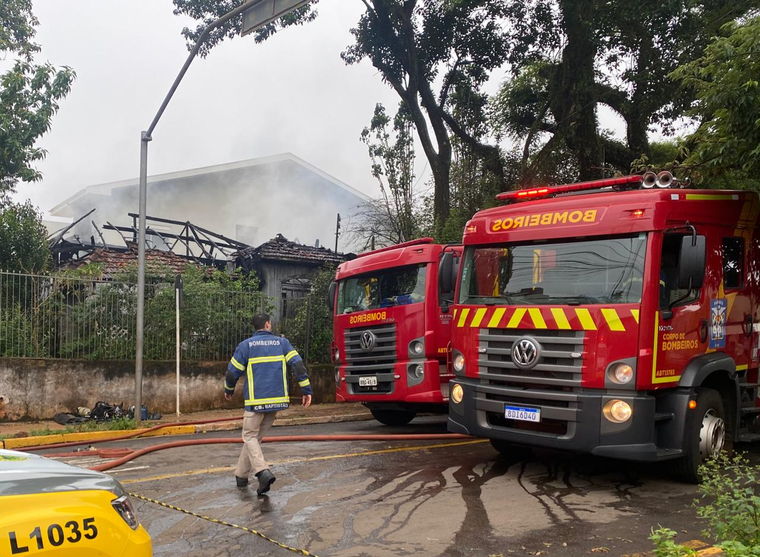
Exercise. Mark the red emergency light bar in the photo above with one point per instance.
(536, 193)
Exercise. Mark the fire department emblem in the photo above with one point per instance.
(367, 341)
(525, 352)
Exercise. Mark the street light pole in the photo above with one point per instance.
(145, 137)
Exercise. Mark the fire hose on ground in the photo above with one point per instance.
(125, 455)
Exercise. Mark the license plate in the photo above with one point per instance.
(523, 414)
(369, 381)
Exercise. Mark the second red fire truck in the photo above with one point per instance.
(391, 330)
(617, 317)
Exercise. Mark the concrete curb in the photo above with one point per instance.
(190, 429)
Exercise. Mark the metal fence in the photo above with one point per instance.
(49, 316)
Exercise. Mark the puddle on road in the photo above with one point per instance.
(416, 503)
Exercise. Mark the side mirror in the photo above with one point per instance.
(691, 262)
(330, 300)
(446, 273)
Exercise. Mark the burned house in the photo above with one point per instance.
(246, 201)
(285, 270)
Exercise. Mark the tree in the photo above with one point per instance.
(29, 95)
(579, 54)
(435, 54)
(392, 218)
(726, 82)
(23, 239)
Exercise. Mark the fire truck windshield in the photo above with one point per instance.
(606, 270)
(385, 288)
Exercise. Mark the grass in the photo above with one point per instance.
(111, 425)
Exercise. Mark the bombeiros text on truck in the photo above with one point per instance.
(617, 317)
(391, 329)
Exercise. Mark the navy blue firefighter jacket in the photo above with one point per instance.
(264, 360)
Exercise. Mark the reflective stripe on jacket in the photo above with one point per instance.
(264, 360)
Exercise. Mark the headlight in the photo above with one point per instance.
(123, 506)
(617, 411)
(417, 348)
(337, 377)
(459, 362)
(457, 393)
(336, 356)
(620, 374)
(419, 371)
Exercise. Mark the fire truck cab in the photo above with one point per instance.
(391, 330)
(616, 317)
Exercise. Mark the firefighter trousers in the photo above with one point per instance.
(255, 425)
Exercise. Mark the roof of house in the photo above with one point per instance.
(280, 248)
(116, 262)
(107, 188)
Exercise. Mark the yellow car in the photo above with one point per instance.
(49, 508)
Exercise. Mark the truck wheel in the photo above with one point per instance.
(393, 417)
(705, 435)
(510, 450)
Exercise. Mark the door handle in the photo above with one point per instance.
(747, 325)
(703, 330)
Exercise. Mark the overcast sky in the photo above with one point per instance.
(292, 93)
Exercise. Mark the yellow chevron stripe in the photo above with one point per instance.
(538, 319)
(463, 317)
(454, 316)
(496, 317)
(560, 318)
(516, 318)
(585, 318)
(635, 314)
(478, 317)
(613, 319)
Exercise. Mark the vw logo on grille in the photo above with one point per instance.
(367, 341)
(525, 352)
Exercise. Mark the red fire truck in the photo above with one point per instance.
(391, 330)
(616, 317)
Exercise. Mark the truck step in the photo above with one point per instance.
(668, 453)
(749, 385)
(748, 437)
(662, 416)
(750, 410)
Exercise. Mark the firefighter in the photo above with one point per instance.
(264, 360)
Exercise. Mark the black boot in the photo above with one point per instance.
(241, 482)
(266, 479)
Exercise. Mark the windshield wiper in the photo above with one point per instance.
(574, 300)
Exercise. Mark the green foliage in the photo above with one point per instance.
(119, 424)
(730, 500)
(665, 546)
(390, 219)
(726, 81)
(29, 96)
(310, 330)
(730, 504)
(23, 238)
(81, 316)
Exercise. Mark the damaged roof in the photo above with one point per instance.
(280, 248)
(116, 262)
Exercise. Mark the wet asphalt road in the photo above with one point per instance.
(378, 498)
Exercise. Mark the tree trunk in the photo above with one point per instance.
(577, 87)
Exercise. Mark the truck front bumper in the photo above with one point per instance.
(579, 425)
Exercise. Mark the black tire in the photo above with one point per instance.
(393, 417)
(510, 450)
(706, 434)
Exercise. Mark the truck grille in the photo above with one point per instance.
(378, 362)
(550, 385)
